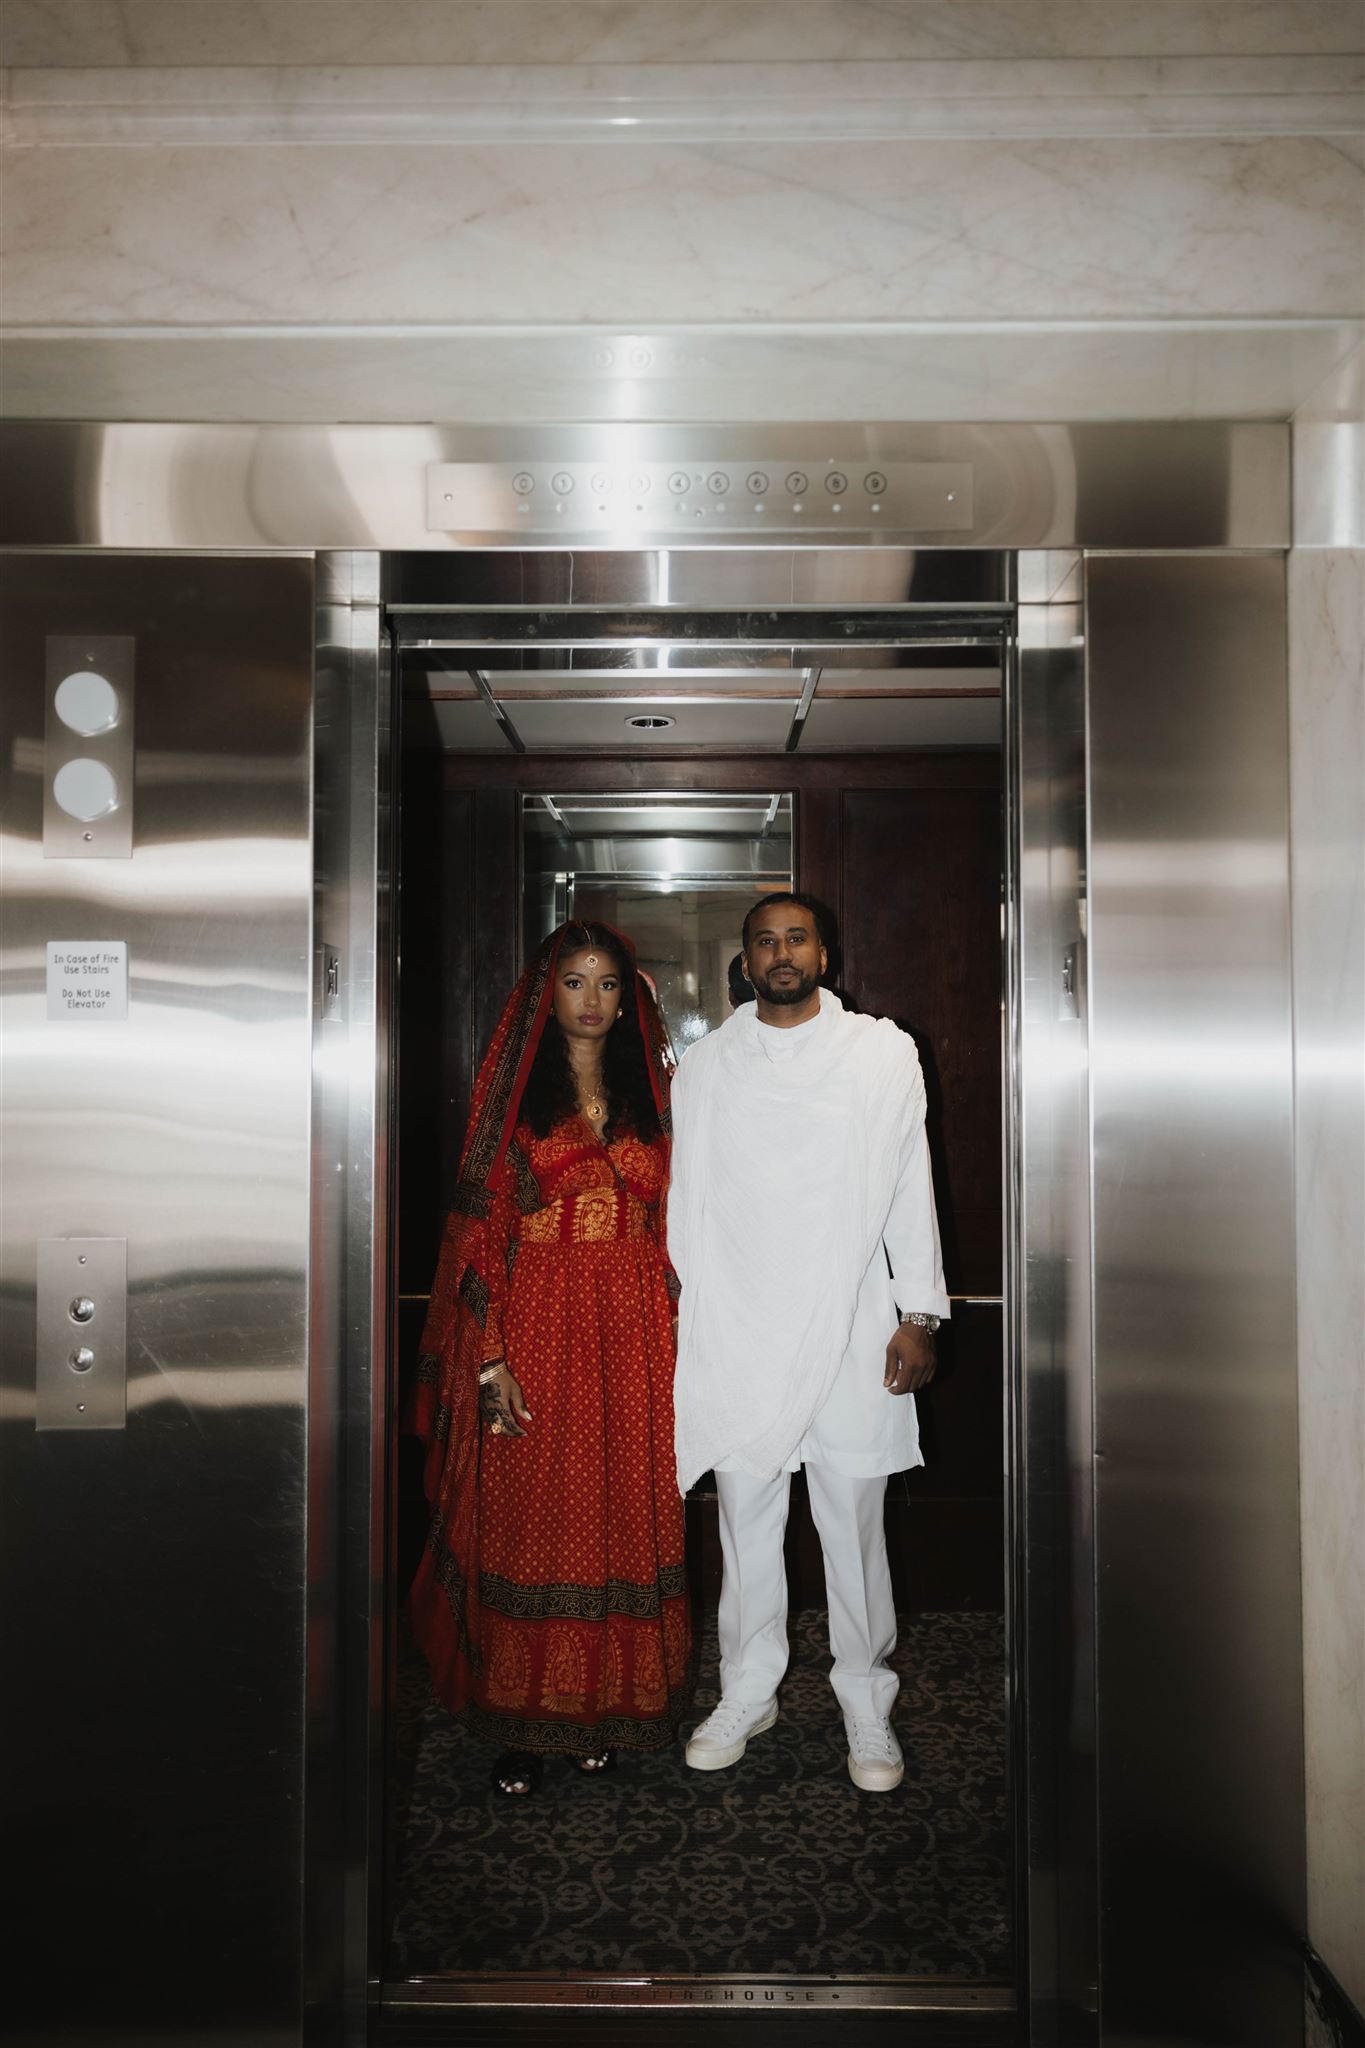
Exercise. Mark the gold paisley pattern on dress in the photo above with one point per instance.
(565, 1682)
(600, 1217)
(650, 1690)
(509, 1669)
(591, 1603)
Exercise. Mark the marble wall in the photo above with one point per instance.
(936, 183)
(1327, 764)
(420, 32)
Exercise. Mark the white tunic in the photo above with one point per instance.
(800, 1218)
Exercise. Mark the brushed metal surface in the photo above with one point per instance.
(1051, 1571)
(107, 837)
(81, 1368)
(669, 660)
(741, 577)
(809, 632)
(349, 1395)
(1185, 484)
(714, 1994)
(1200, 1737)
(155, 1578)
(789, 492)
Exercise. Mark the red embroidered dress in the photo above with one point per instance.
(551, 1600)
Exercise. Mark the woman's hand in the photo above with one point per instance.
(502, 1404)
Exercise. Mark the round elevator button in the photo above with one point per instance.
(82, 1309)
(836, 483)
(756, 482)
(86, 702)
(798, 483)
(523, 483)
(874, 483)
(85, 789)
(561, 483)
(717, 482)
(679, 482)
(81, 1359)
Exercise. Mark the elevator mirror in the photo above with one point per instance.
(675, 873)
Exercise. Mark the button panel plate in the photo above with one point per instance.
(716, 496)
(89, 752)
(82, 1347)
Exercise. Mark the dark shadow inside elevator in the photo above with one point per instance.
(526, 798)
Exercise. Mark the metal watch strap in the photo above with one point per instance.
(920, 1319)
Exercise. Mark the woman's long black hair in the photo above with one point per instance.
(550, 1094)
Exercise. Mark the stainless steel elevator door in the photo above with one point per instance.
(1199, 1713)
(156, 1574)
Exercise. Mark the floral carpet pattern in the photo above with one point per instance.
(777, 1865)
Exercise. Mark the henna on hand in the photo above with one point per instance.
(496, 1407)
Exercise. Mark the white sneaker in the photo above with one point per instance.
(875, 1763)
(724, 1735)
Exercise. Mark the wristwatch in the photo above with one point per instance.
(920, 1319)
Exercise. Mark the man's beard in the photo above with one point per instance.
(797, 991)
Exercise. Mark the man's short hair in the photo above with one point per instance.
(789, 896)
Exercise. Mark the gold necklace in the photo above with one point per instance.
(593, 1106)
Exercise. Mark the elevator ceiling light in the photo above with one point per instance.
(650, 721)
(86, 702)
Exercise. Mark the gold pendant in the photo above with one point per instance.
(594, 1110)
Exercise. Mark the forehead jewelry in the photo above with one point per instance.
(592, 959)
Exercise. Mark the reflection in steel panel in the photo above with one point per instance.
(1185, 484)
(1196, 1497)
(156, 1585)
(1048, 1192)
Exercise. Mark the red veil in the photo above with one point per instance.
(446, 1408)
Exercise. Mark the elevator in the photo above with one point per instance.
(1074, 633)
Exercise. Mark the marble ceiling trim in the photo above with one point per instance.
(685, 102)
(128, 33)
(753, 232)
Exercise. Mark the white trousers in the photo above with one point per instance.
(848, 1516)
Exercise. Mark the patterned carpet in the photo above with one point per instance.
(778, 1865)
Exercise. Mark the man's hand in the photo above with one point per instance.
(910, 1361)
(504, 1409)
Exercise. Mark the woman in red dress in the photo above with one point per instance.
(551, 1601)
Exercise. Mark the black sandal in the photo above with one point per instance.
(516, 1774)
(594, 1766)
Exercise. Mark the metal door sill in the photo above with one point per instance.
(587, 1990)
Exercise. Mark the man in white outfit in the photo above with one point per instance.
(801, 1225)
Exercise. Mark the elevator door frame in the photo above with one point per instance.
(350, 497)
(849, 627)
